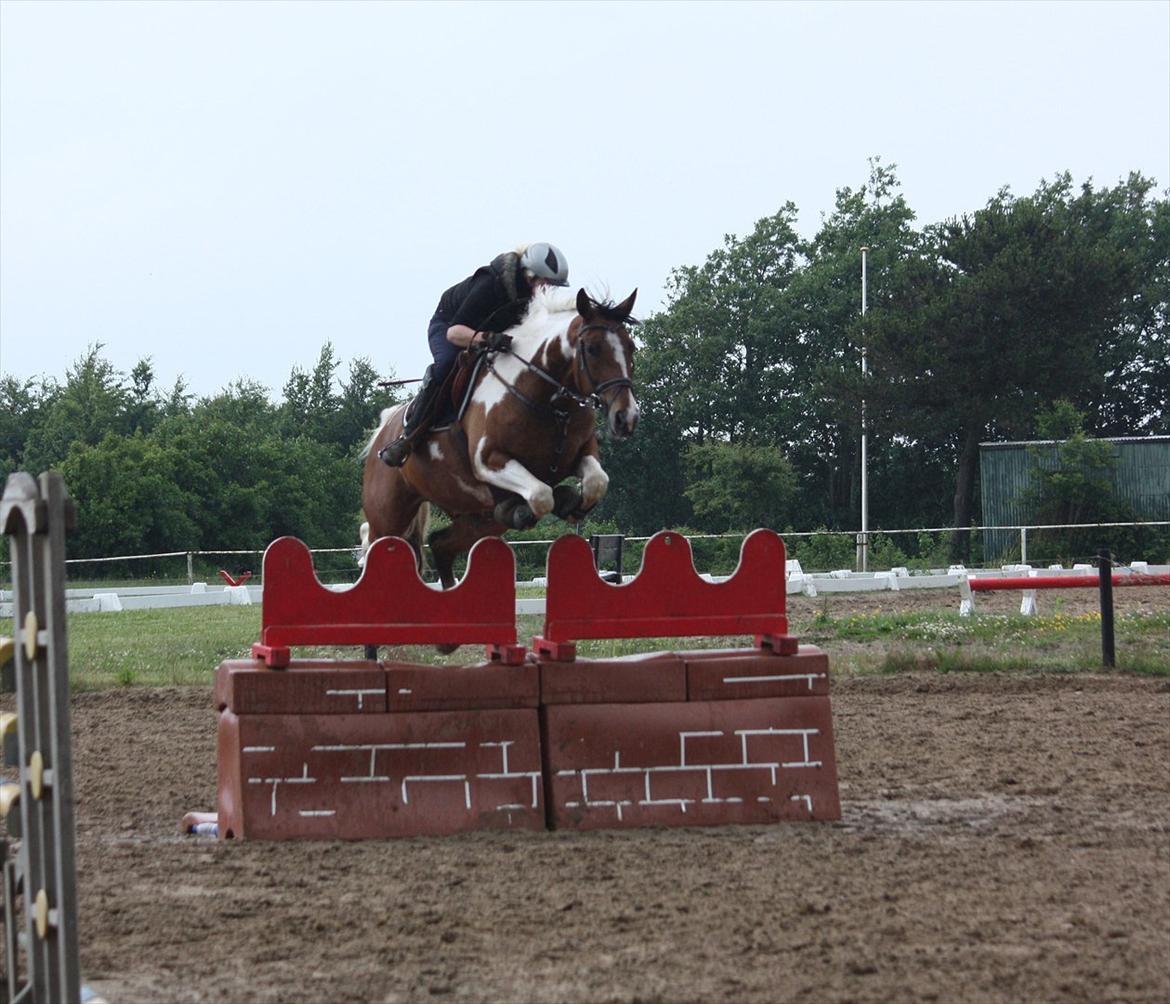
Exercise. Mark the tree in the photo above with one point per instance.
(1005, 309)
(359, 406)
(738, 487)
(711, 369)
(1072, 481)
(91, 404)
(22, 409)
(142, 404)
(127, 496)
(824, 349)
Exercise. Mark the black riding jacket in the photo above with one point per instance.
(493, 298)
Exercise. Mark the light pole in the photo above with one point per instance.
(863, 537)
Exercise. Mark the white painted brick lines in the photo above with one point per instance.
(358, 692)
(744, 734)
(276, 782)
(372, 776)
(809, 678)
(532, 775)
(707, 771)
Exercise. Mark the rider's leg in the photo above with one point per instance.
(422, 410)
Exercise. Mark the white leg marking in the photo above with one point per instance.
(515, 477)
(594, 481)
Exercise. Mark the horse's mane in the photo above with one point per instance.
(552, 300)
(558, 305)
(608, 309)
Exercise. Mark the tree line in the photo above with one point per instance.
(978, 329)
(1048, 307)
(156, 471)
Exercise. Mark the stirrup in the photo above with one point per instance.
(396, 453)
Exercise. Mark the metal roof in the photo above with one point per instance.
(1001, 444)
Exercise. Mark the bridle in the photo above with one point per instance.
(621, 383)
(594, 398)
(559, 406)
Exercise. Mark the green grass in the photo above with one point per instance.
(174, 646)
(183, 646)
(946, 642)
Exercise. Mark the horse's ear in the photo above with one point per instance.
(584, 304)
(626, 307)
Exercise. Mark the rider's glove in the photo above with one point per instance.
(497, 341)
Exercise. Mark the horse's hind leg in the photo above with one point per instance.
(450, 542)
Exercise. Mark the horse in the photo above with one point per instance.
(528, 425)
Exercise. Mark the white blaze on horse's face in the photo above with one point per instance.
(622, 413)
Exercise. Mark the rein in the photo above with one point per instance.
(562, 392)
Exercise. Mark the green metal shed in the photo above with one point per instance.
(1141, 477)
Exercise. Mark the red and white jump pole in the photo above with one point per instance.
(1105, 580)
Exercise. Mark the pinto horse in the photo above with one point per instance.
(529, 424)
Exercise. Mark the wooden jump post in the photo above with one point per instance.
(38, 812)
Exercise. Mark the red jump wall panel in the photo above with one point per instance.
(633, 679)
(370, 776)
(304, 687)
(707, 763)
(736, 674)
(413, 687)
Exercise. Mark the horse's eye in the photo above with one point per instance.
(593, 350)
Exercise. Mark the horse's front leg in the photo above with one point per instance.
(573, 505)
(506, 472)
(594, 480)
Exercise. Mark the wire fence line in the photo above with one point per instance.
(204, 556)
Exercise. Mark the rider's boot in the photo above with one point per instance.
(418, 419)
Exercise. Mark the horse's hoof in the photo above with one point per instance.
(566, 501)
(514, 514)
(523, 518)
(502, 513)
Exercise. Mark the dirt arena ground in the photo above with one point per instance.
(1005, 838)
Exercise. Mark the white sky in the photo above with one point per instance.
(224, 187)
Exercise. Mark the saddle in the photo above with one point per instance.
(455, 394)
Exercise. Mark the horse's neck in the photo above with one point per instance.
(553, 353)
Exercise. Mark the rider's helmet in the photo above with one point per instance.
(546, 262)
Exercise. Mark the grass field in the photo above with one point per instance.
(183, 646)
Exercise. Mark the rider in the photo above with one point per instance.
(490, 300)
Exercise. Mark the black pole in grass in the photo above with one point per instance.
(1105, 570)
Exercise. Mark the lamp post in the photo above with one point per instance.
(863, 537)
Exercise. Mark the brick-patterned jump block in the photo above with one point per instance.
(366, 749)
(709, 737)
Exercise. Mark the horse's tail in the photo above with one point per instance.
(414, 535)
(385, 417)
(364, 548)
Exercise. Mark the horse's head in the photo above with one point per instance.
(605, 359)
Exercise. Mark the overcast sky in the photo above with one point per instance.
(225, 187)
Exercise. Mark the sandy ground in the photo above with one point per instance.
(1003, 839)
